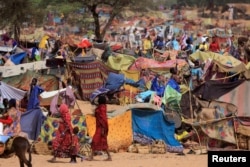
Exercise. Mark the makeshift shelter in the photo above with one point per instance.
(143, 119)
(120, 62)
(89, 76)
(128, 95)
(46, 81)
(153, 125)
(239, 96)
(145, 63)
(120, 130)
(51, 124)
(10, 92)
(222, 63)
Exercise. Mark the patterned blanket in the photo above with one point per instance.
(50, 125)
(120, 130)
(90, 76)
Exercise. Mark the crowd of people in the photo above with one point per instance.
(144, 42)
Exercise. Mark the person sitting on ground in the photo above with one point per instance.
(14, 129)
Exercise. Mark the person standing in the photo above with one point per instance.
(33, 98)
(100, 142)
(214, 45)
(62, 143)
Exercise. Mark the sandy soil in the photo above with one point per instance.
(118, 160)
(121, 159)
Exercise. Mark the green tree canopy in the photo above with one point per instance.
(13, 14)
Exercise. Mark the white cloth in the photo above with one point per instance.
(46, 94)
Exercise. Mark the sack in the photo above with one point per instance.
(143, 149)
(85, 150)
(133, 148)
(159, 147)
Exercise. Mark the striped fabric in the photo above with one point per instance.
(91, 76)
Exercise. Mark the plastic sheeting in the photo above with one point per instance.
(9, 92)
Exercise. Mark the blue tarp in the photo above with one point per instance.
(31, 122)
(114, 81)
(18, 57)
(153, 124)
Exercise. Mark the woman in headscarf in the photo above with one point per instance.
(63, 140)
(100, 141)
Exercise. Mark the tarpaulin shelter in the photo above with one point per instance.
(222, 63)
(120, 62)
(239, 96)
(137, 119)
(10, 92)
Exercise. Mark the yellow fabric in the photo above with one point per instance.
(224, 60)
(181, 136)
(42, 44)
(248, 66)
(120, 62)
(203, 46)
(129, 95)
(120, 130)
(147, 44)
(184, 89)
(225, 63)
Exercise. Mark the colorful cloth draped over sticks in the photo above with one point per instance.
(120, 130)
(90, 76)
(153, 125)
(144, 63)
(50, 125)
(221, 130)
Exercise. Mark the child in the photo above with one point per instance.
(75, 145)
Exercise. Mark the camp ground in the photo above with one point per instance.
(176, 82)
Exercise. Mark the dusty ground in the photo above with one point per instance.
(119, 160)
(123, 159)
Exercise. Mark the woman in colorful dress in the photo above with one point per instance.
(63, 140)
(100, 141)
